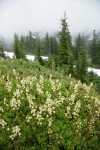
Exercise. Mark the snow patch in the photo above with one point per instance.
(96, 71)
(29, 57)
(9, 54)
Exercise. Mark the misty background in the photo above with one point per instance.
(21, 16)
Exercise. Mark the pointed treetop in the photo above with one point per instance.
(65, 14)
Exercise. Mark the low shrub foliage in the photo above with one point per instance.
(42, 112)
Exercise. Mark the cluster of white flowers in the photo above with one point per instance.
(5, 103)
(97, 102)
(77, 108)
(87, 88)
(76, 88)
(34, 112)
(32, 105)
(27, 82)
(18, 86)
(97, 105)
(14, 71)
(41, 80)
(71, 99)
(39, 85)
(68, 113)
(50, 104)
(28, 118)
(49, 131)
(86, 97)
(1, 109)
(15, 103)
(61, 98)
(8, 85)
(39, 118)
(91, 124)
(71, 102)
(2, 123)
(53, 85)
(50, 121)
(78, 124)
(39, 88)
(15, 132)
(17, 93)
(89, 108)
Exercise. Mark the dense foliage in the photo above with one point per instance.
(43, 109)
(81, 59)
(19, 48)
(1, 50)
(94, 49)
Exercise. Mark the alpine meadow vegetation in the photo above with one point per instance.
(42, 109)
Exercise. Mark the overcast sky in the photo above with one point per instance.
(20, 16)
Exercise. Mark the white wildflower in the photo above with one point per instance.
(2, 123)
(1, 108)
(50, 122)
(39, 88)
(14, 71)
(28, 118)
(8, 86)
(16, 93)
(15, 103)
(77, 108)
(15, 132)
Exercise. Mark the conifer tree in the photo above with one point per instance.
(97, 61)
(38, 51)
(53, 45)
(47, 44)
(65, 45)
(1, 50)
(22, 48)
(65, 41)
(19, 48)
(16, 46)
(95, 49)
(81, 59)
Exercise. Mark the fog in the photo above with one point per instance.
(20, 16)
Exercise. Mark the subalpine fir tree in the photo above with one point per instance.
(38, 51)
(98, 54)
(53, 45)
(47, 44)
(65, 45)
(22, 47)
(81, 59)
(1, 50)
(19, 49)
(30, 43)
(95, 49)
(16, 46)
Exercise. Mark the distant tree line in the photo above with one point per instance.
(60, 50)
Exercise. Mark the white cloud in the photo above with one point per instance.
(44, 15)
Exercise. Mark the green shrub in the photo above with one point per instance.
(39, 112)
